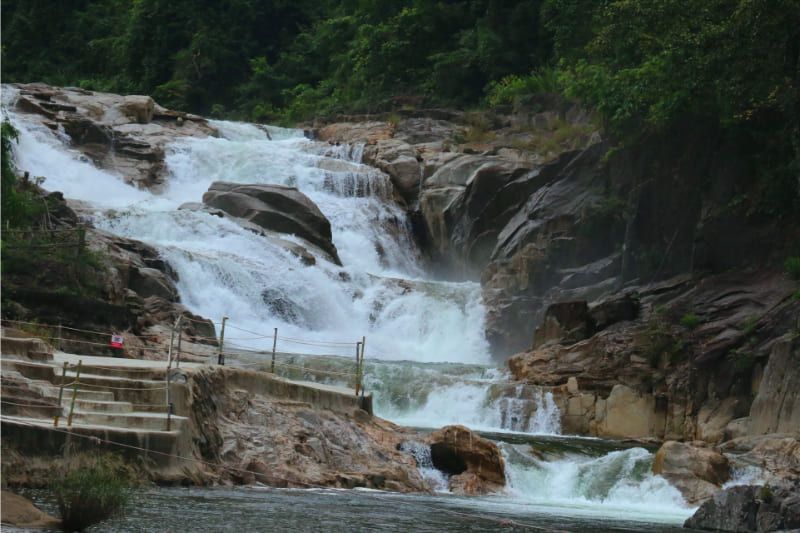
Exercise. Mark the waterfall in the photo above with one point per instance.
(422, 455)
(428, 362)
(619, 481)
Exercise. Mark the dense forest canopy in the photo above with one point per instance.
(644, 65)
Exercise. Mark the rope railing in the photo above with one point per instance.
(33, 230)
(232, 346)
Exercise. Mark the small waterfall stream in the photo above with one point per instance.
(428, 361)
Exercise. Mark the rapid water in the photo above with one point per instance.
(428, 362)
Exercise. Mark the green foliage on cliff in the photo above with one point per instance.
(278, 58)
(21, 205)
(647, 67)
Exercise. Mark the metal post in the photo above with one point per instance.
(59, 336)
(60, 395)
(169, 349)
(169, 367)
(358, 356)
(180, 336)
(74, 393)
(274, 345)
(169, 403)
(361, 365)
(221, 356)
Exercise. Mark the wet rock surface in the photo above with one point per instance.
(125, 133)
(258, 438)
(474, 465)
(749, 508)
(276, 208)
(19, 511)
(697, 472)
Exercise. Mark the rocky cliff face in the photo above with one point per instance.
(248, 436)
(124, 133)
(641, 285)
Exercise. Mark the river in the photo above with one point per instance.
(428, 361)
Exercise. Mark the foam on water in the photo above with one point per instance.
(470, 404)
(618, 482)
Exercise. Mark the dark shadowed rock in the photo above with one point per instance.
(614, 309)
(276, 208)
(749, 508)
(565, 323)
(776, 407)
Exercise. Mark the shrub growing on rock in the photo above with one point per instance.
(87, 494)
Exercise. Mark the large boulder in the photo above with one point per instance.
(399, 160)
(748, 508)
(697, 472)
(20, 512)
(152, 282)
(138, 108)
(474, 464)
(276, 208)
(627, 414)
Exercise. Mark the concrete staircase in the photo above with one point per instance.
(117, 400)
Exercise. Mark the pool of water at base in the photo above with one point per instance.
(333, 510)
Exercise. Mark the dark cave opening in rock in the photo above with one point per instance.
(445, 459)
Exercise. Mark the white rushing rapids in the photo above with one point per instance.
(415, 326)
(616, 484)
(225, 270)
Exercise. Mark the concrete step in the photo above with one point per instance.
(99, 406)
(23, 406)
(112, 381)
(102, 431)
(83, 394)
(133, 420)
(11, 344)
(30, 369)
(139, 391)
(133, 373)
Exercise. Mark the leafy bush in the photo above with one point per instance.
(514, 89)
(88, 494)
(792, 266)
(690, 321)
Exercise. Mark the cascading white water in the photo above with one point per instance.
(422, 455)
(467, 401)
(619, 482)
(225, 270)
(380, 291)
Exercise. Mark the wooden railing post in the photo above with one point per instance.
(221, 355)
(60, 395)
(180, 337)
(361, 365)
(358, 368)
(74, 393)
(274, 345)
